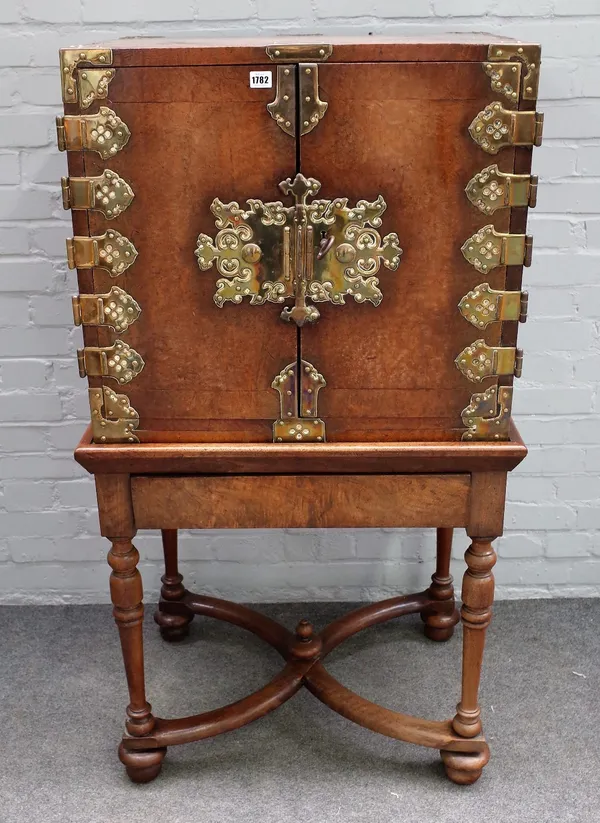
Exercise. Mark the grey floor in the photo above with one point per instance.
(62, 698)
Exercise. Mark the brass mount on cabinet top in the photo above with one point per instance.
(87, 84)
(299, 53)
(321, 251)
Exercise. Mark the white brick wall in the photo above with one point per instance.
(49, 549)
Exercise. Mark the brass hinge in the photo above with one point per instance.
(283, 107)
(104, 133)
(117, 310)
(298, 422)
(496, 127)
(491, 189)
(484, 305)
(487, 417)
(91, 83)
(109, 193)
(113, 419)
(488, 248)
(505, 66)
(311, 52)
(110, 251)
(479, 361)
(118, 361)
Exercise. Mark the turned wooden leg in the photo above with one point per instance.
(126, 594)
(440, 619)
(173, 627)
(476, 613)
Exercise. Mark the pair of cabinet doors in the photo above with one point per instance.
(396, 130)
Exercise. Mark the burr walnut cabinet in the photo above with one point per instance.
(299, 271)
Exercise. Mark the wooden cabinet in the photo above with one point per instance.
(300, 275)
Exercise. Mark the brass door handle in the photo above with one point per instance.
(324, 246)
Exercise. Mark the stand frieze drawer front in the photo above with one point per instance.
(105, 133)
(291, 501)
(319, 251)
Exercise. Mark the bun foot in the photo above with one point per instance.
(142, 767)
(173, 627)
(464, 768)
(440, 626)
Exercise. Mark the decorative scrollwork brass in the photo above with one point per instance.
(324, 251)
(487, 416)
(298, 421)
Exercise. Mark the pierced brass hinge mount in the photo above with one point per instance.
(110, 251)
(488, 248)
(311, 108)
(491, 189)
(118, 361)
(104, 133)
(487, 417)
(117, 310)
(514, 70)
(298, 421)
(108, 193)
(484, 305)
(495, 127)
(113, 419)
(479, 361)
(88, 84)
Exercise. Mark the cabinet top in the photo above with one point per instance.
(159, 51)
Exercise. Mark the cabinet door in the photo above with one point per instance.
(401, 130)
(197, 132)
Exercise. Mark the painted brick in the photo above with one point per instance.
(67, 435)
(25, 496)
(65, 550)
(588, 160)
(24, 374)
(50, 524)
(10, 171)
(52, 311)
(25, 204)
(19, 439)
(150, 10)
(40, 87)
(519, 545)
(20, 407)
(32, 341)
(24, 130)
(65, 11)
(44, 166)
(14, 310)
(568, 544)
(32, 467)
(269, 9)
(588, 301)
(76, 494)
(556, 232)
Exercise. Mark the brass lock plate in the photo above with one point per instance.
(321, 251)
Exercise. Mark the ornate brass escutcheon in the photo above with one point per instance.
(298, 421)
(319, 251)
(487, 416)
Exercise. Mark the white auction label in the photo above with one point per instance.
(261, 79)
